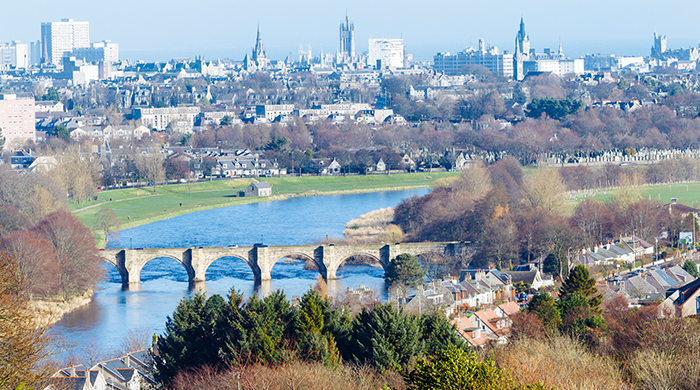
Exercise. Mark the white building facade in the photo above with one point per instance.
(386, 53)
(59, 39)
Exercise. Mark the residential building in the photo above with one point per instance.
(271, 111)
(59, 39)
(470, 331)
(500, 64)
(386, 53)
(684, 299)
(17, 120)
(178, 118)
(248, 166)
(131, 371)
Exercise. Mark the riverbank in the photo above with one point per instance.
(50, 311)
(139, 206)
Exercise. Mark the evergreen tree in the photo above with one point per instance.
(545, 307)
(439, 334)
(314, 338)
(255, 333)
(385, 337)
(404, 269)
(455, 369)
(580, 281)
(189, 339)
(690, 267)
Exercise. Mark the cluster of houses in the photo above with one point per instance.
(476, 293)
(133, 371)
(650, 285)
(627, 250)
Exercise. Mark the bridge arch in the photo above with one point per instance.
(373, 256)
(136, 276)
(213, 259)
(123, 273)
(273, 261)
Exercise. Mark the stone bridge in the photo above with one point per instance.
(328, 258)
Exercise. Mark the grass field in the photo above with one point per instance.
(687, 194)
(138, 206)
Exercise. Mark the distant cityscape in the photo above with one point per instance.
(65, 57)
(67, 41)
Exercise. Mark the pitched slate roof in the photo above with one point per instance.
(685, 291)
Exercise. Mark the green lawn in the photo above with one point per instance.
(687, 194)
(139, 206)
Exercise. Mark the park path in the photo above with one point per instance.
(111, 201)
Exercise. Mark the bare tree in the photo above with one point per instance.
(545, 189)
(25, 343)
(74, 249)
(150, 167)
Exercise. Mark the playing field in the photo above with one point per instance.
(687, 194)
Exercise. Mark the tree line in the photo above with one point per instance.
(269, 331)
(54, 250)
(514, 218)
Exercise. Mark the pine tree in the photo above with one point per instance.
(545, 307)
(189, 339)
(315, 340)
(404, 269)
(439, 334)
(385, 337)
(580, 281)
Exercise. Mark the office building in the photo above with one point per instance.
(105, 51)
(500, 64)
(35, 53)
(17, 120)
(59, 39)
(386, 53)
(14, 55)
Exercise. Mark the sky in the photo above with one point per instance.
(160, 30)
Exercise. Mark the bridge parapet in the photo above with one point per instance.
(261, 259)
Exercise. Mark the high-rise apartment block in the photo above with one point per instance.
(14, 55)
(386, 53)
(500, 64)
(17, 120)
(347, 41)
(59, 39)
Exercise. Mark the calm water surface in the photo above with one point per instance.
(142, 309)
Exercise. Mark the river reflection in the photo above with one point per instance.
(143, 307)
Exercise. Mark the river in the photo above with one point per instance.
(115, 312)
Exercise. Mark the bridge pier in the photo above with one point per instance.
(259, 264)
(327, 261)
(121, 262)
(196, 269)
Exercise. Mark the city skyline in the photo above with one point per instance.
(145, 30)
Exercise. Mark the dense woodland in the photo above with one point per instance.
(513, 218)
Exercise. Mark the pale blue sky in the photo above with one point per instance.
(159, 30)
